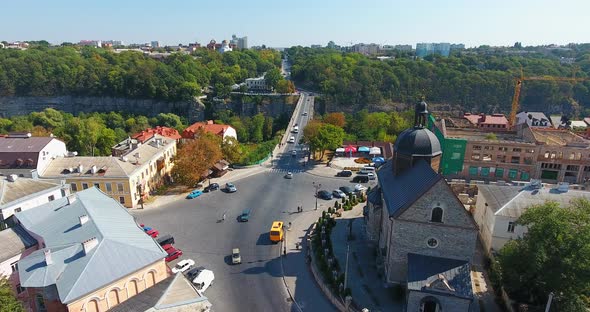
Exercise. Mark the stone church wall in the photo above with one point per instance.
(447, 303)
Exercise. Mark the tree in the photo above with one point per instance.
(195, 157)
(336, 119)
(321, 137)
(557, 256)
(272, 78)
(256, 128)
(231, 150)
(8, 301)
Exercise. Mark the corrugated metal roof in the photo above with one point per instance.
(23, 145)
(496, 196)
(425, 271)
(23, 187)
(14, 241)
(122, 247)
(400, 191)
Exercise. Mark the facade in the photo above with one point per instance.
(19, 194)
(155, 44)
(494, 122)
(15, 243)
(498, 207)
(26, 156)
(422, 229)
(225, 47)
(128, 178)
(240, 43)
(209, 126)
(425, 49)
(533, 119)
(91, 43)
(86, 262)
(256, 84)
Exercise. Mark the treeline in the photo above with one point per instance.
(469, 81)
(86, 71)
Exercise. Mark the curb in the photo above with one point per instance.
(285, 282)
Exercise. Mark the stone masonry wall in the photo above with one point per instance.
(447, 303)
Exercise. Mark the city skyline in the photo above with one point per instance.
(345, 22)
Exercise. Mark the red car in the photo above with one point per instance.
(153, 233)
(167, 247)
(173, 254)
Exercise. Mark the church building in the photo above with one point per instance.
(426, 237)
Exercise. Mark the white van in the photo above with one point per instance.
(296, 129)
(367, 169)
(203, 280)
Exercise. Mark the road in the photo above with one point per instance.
(256, 284)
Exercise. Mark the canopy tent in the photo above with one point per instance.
(375, 151)
(340, 150)
(363, 149)
(378, 159)
(350, 149)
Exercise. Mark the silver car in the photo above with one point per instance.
(230, 187)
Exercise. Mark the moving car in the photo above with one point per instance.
(194, 194)
(344, 173)
(276, 232)
(304, 113)
(361, 179)
(338, 194)
(183, 266)
(211, 187)
(173, 254)
(235, 256)
(244, 216)
(346, 190)
(293, 153)
(291, 139)
(165, 239)
(289, 175)
(204, 280)
(153, 233)
(323, 194)
(359, 188)
(230, 187)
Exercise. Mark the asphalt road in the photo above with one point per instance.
(256, 284)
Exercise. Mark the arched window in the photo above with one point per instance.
(437, 215)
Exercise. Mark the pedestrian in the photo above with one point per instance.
(223, 217)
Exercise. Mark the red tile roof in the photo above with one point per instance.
(207, 126)
(494, 119)
(163, 131)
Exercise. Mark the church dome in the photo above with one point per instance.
(417, 141)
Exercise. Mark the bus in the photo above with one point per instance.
(276, 232)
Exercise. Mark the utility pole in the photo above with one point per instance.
(317, 187)
(346, 267)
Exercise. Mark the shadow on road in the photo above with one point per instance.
(264, 240)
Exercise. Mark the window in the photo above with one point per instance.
(487, 157)
(432, 242)
(84, 186)
(524, 176)
(572, 168)
(51, 198)
(475, 157)
(473, 170)
(499, 173)
(488, 148)
(553, 155)
(515, 159)
(19, 289)
(517, 150)
(503, 149)
(477, 147)
(501, 158)
(530, 150)
(97, 185)
(572, 155)
(578, 156)
(14, 266)
(109, 187)
(74, 187)
(485, 171)
(512, 173)
(40, 303)
(511, 227)
(437, 215)
(122, 199)
(119, 187)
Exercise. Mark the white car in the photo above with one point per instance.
(203, 280)
(338, 194)
(293, 153)
(292, 139)
(289, 175)
(359, 187)
(183, 266)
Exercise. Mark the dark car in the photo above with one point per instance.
(323, 194)
(244, 216)
(360, 179)
(165, 239)
(344, 173)
(211, 187)
(194, 272)
(347, 190)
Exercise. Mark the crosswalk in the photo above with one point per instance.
(284, 170)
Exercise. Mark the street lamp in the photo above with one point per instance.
(317, 187)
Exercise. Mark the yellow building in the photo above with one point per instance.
(127, 178)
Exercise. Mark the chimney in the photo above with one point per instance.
(47, 254)
(80, 168)
(482, 118)
(71, 199)
(89, 244)
(83, 219)
(93, 169)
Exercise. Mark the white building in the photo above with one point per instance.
(258, 83)
(499, 206)
(225, 47)
(533, 119)
(25, 155)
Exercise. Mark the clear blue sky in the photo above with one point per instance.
(286, 23)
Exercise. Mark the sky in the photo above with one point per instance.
(304, 22)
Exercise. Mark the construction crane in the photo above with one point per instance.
(518, 86)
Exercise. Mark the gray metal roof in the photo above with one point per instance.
(400, 191)
(417, 142)
(23, 145)
(74, 272)
(439, 275)
(513, 201)
(24, 187)
(13, 241)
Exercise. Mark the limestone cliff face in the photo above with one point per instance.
(15, 105)
(250, 105)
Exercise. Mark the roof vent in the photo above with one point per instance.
(12, 177)
(47, 254)
(89, 244)
(83, 219)
(124, 159)
(71, 199)
(80, 168)
(93, 169)
(563, 187)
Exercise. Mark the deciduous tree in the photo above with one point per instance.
(8, 301)
(337, 119)
(195, 157)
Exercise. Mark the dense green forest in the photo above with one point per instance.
(468, 81)
(43, 71)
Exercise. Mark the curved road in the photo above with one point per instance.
(256, 284)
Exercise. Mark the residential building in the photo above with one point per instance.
(240, 43)
(113, 42)
(457, 46)
(225, 47)
(498, 207)
(533, 119)
(426, 238)
(139, 138)
(493, 122)
(155, 44)
(26, 156)
(128, 178)
(15, 244)
(91, 43)
(403, 47)
(19, 194)
(256, 84)
(209, 126)
(85, 261)
(425, 49)
(367, 49)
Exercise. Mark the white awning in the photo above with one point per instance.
(374, 151)
(340, 150)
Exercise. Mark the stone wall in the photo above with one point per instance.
(447, 303)
(13, 106)
(250, 105)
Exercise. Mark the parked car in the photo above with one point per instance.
(230, 187)
(346, 190)
(338, 194)
(204, 280)
(192, 273)
(359, 188)
(323, 194)
(165, 239)
(360, 179)
(167, 247)
(211, 187)
(344, 173)
(194, 194)
(153, 233)
(173, 254)
(183, 266)
(244, 216)
(235, 256)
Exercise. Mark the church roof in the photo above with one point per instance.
(418, 142)
(401, 191)
(430, 274)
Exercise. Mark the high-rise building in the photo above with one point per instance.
(457, 46)
(240, 43)
(424, 49)
(155, 44)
